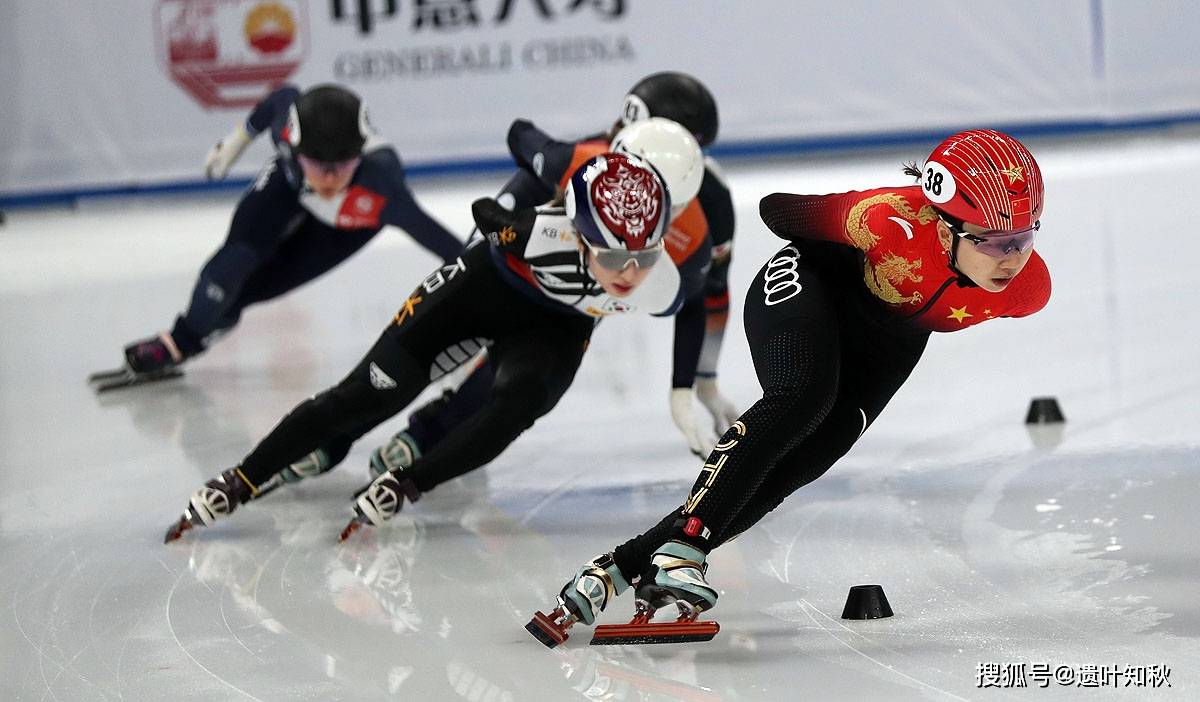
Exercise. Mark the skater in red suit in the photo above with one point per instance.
(836, 321)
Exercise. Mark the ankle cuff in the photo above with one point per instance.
(678, 549)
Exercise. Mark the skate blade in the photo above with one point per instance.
(544, 629)
(666, 632)
(177, 529)
(125, 378)
(108, 375)
(351, 528)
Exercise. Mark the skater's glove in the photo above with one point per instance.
(221, 157)
(683, 413)
(724, 412)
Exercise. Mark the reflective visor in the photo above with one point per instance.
(618, 259)
(1000, 243)
(339, 168)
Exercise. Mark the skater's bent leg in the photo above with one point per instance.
(804, 463)
(313, 250)
(265, 216)
(532, 371)
(215, 295)
(795, 401)
(382, 384)
(795, 345)
(431, 422)
(884, 361)
(633, 556)
(800, 377)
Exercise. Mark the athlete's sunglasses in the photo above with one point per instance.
(619, 259)
(997, 243)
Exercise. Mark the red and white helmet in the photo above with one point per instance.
(986, 178)
(618, 201)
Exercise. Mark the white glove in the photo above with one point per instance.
(221, 157)
(724, 412)
(684, 416)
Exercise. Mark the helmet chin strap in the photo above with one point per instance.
(592, 283)
(963, 281)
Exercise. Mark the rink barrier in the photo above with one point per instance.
(762, 148)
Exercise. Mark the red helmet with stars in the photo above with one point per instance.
(986, 178)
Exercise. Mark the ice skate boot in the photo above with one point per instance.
(148, 360)
(675, 576)
(582, 599)
(380, 501)
(400, 452)
(217, 499)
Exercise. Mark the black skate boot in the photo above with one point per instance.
(148, 360)
(381, 500)
(217, 499)
(153, 355)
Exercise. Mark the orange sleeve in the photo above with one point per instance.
(584, 150)
(687, 232)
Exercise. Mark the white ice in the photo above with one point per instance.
(994, 544)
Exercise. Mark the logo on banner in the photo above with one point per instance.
(229, 53)
(456, 14)
(469, 29)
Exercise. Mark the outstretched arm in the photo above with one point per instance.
(267, 112)
(818, 217)
(545, 157)
(405, 212)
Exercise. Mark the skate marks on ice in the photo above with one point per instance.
(225, 621)
(60, 664)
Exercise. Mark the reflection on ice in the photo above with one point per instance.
(1059, 544)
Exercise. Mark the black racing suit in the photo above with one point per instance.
(699, 324)
(829, 359)
(521, 292)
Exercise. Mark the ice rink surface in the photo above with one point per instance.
(1073, 552)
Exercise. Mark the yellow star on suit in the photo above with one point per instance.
(959, 313)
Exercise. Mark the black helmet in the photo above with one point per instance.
(678, 97)
(328, 123)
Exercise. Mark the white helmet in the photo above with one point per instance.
(673, 152)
